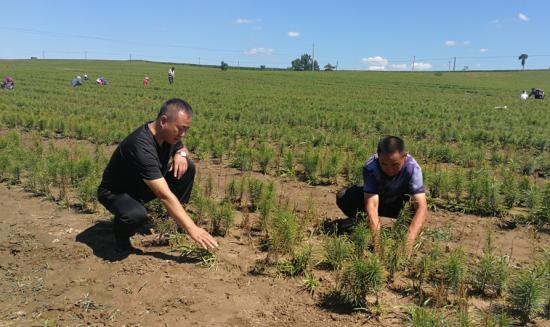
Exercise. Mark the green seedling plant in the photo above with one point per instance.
(363, 276)
(422, 317)
(310, 284)
(453, 270)
(255, 190)
(299, 264)
(492, 271)
(222, 219)
(283, 232)
(361, 238)
(337, 250)
(190, 250)
(527, 293)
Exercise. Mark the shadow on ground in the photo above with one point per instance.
(99, 237)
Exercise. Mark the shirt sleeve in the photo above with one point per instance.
(416, 184)
(370, 183)
(145, 163)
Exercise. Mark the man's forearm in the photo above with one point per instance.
(416, 224)
(176, 211)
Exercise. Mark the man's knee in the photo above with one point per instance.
(191, 170)
(134, 215)
(340, 198)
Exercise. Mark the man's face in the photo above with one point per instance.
(174, 131)
(391, 164)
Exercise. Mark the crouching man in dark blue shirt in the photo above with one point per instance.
(391, 178)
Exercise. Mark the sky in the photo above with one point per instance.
(355, 35)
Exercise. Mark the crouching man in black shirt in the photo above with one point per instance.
(140, 170)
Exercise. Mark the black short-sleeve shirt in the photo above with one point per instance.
(136, 158)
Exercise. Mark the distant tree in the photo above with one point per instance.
(262, 67)
(224, 65)
(329, 67)
(305, 62)
(523, 57)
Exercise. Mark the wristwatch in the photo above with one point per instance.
(183, 154)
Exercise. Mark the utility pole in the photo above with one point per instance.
(43, 54)
(414, 59)
(199, 61)
(313, 58)
(130, 58)
(449, 65)
(336, 64)
(85, 55)
(454, 63)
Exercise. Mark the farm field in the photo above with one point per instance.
(272, 149)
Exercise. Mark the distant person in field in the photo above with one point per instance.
(146, 81)
(152, 163)
(524, 96)
(171, 75)
(101, 81)
(86, 77)
(537, 93)
(8, 83)
(77, 81)
(391, 178)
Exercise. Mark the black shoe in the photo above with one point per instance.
(339, 226)
(123, 246)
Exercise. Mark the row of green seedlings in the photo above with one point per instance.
(69, 176)
(439, 279)
(313, 165)
(278, 226)
(476, 191)
(528, 296)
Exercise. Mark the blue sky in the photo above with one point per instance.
(363, 35)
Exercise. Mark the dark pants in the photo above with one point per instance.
(351, 201)
(128, 208)
(170, 79)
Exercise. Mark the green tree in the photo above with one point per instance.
(523, 57)
(305, 62)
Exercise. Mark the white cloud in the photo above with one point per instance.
(293, 34)
(258, 28)
(450, 43)
(523, 17)
(422, 66)
(483, 50)
(378, 68)
(467, 42)
(244, 21)
(398, 67)
(375, 61)
(259, 51)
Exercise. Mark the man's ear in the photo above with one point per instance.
(163, 120)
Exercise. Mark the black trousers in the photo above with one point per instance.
(351, 201)
(128, 208)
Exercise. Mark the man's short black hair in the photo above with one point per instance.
(390, 144)
(177, 105)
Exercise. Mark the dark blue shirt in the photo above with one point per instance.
(390, 189)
